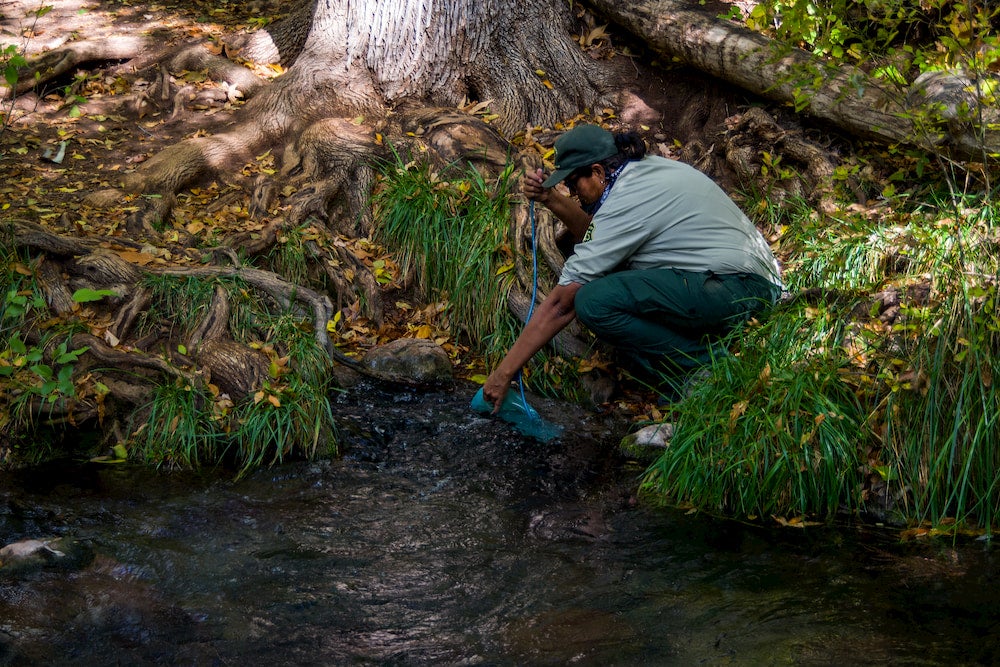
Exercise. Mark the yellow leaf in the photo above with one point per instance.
(274, 400)
(258, 397)
(424, 331)
(547, 83)
(738, 410)
(479, 378)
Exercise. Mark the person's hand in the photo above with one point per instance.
(495, 389)
(532, 188)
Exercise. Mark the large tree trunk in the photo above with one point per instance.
(847, 96)
(369, 56)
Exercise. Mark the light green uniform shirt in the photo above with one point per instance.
(661, 214)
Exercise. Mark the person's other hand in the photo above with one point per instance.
(532, 188)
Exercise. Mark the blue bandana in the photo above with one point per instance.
(591, 209)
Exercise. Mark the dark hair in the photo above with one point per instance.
(630, 147)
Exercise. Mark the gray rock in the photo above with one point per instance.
(410, 361)
(648, 442)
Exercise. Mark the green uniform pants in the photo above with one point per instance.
(665, 320)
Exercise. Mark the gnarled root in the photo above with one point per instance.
(754, 134)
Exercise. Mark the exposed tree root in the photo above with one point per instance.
(62, 61)
(755, 135)
(234, 367)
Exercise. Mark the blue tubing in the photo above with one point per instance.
(524, 417)
(531, 308)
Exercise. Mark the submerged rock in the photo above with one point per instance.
(60, 552)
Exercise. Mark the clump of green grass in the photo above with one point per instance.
(940, 407)
(824, 395)
(451, 228)
(177, 433)
(294, 338)
(451, 231)
(186, 425)
(288, 257)
(170, 295)
(276, 423)
(775, 430)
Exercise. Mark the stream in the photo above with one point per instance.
(442, 537)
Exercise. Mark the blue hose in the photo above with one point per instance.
(524, 417)
(534, 294)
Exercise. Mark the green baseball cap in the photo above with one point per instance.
(583, 145)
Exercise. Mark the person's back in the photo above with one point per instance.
(663, 213)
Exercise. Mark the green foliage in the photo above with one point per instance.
(50, 372)
(451, 231)
(926, 34)
(12, 61)
(451, 228)
(941, 423)
(933, 61)
(775, 430)
(33, 374)
(170, 295)
(277, 423)
(288, 256)
(187, 426)
(290, 415)
(186, 423)
(86, 295)
(18, 304)
(823, 397)
(297, 341)
(179, 431)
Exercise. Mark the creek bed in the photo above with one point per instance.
(441, 537)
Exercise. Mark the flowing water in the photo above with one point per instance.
(441, 537)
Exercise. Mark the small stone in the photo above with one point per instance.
(647, 442)
(412, 361)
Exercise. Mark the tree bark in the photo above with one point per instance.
(847, 96)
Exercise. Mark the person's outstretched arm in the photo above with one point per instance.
(552, 314)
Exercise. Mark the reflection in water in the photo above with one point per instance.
(443, 538)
